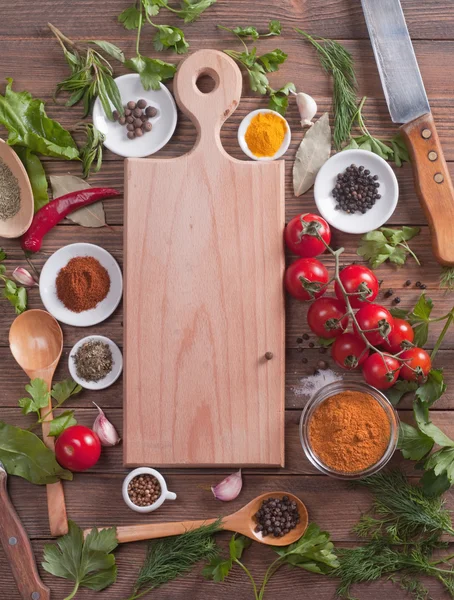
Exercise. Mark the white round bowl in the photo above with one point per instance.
(164, 122)
(356, 222)
(48, 290)
(165, 494)
(110, 378)
(242, 132)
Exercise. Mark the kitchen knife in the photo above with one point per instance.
(17, 547)
(408, 104)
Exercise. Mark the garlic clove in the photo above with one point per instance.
(307, 108)
(24, 277)
(107, 433)
(229, 488)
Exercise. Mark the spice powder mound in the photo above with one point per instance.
(349, 431)
(82, 284)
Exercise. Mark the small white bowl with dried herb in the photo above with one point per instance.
(95, 362)
(145, 489)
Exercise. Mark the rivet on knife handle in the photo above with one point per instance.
(433, 184)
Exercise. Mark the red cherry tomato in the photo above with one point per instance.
(306, 245)
(381, 371)
(78, 448)
(326, 317)
(357, 279)
(308, 270)
(401, 332)
(374, 316)
(415, 358)
(349, 351)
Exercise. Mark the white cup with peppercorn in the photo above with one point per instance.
(145, 490)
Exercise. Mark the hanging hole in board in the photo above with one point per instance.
(207, 81)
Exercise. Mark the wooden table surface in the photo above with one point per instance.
(33, 58)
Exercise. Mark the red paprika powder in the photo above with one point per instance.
(82, 284)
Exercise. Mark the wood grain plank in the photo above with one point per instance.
(433, 19)
(286, 583)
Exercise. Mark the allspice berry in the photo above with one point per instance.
(142, 103)
(138, 132)
(137, 112)
(131, 105)
(147, 126)
(137, 123)
(131, 135)
(151, 112)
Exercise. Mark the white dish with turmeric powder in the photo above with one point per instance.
(349, 430)
(268, 133)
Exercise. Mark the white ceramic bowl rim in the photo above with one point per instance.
(165, 493)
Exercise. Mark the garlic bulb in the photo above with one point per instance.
(23, 277)
(229, 488)
(107, 433)
(307, 108)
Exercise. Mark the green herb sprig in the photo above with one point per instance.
(313, 552)
(87, 562)
(91, 74)
(168, 558)
(258, 66)
(16, 295)
(388, 244)
(39, 398)
(447, 279)
(91, 152)
(338, 62)
(403, 530)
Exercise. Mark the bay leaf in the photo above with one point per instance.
(312, 154)
(25, 455)
(88, 216)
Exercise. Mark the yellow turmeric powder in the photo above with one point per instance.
(265, 134)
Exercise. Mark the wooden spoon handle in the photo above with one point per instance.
(151, 531)
(56, 506)
(18, 550)
(433, 184)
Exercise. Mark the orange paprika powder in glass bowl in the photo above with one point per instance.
(349, 430)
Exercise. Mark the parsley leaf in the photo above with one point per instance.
(413, 443)
(151, 70)
(399, 389)
(279, 98)
(272, 60)
(312, 552)
(37, 388)
(130, 17)
(89, 563)
(170, 37)
(433, 388)
(218, 568)
(274, 28)
(64, 389)
(192, 9)
(388, 244)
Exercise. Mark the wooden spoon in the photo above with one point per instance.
(17, 225)
(241, 521)
(36, 342)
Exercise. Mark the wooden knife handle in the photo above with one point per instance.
(433, 184)
(18, 549)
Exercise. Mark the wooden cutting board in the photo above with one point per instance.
(203, 293)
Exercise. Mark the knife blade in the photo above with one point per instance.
(408, 104)
(17, 547)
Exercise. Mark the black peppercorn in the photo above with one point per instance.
(396, 300)
(408, 282)
(389, 293)
(305, 336)
(299, 340)
(423, 286)
(311, 344)
(418, 284)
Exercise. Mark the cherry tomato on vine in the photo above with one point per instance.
(418, 359)
(374, 316)
(299, 236)
(78, 448)
(326, 317)
(349, 351)
(358, 280)
(306, 279)
(381, 371)
(401, 332)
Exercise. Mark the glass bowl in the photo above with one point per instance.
(330, 390)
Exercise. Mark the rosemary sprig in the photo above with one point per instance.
(91, 76)
(338, 62)
(168, 558)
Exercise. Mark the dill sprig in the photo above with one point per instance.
(447, 278)
(168, 558)
(338, 62)
(402, 511)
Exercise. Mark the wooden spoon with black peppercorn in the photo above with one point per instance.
(244, 521)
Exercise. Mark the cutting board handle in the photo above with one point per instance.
(208, 111)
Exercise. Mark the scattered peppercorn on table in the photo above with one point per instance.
(34, 59)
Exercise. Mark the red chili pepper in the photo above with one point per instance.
(49, 215)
